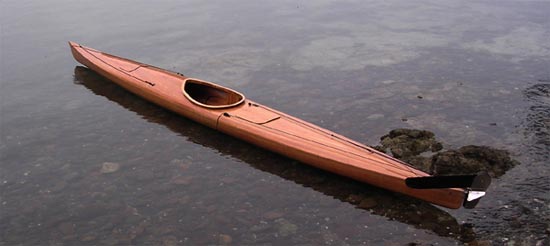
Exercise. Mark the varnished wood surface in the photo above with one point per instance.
(267, 128)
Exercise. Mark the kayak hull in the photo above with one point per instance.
(266, 127)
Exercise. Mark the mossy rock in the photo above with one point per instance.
(409, 142)
(472, 159)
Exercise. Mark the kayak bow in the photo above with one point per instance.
(228, 111)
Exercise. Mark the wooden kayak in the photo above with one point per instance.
(229, 111)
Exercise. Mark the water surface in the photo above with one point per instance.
(472, 72)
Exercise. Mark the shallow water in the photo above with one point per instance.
(473, 73)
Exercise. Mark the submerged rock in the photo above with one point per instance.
(88, 238)
(285, 228)
(181, 180)
(169, 241)
(355, 198)
(224, 239)
(109, 167)
(367, 203)
(271, 215)
(66, 228)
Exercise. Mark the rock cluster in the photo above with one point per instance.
(408, 144)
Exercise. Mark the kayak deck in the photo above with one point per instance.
(230, 112)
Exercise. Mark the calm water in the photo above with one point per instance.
(472, 72)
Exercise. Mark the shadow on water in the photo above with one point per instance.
(393, 206)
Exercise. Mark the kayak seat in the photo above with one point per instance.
(210, 95)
